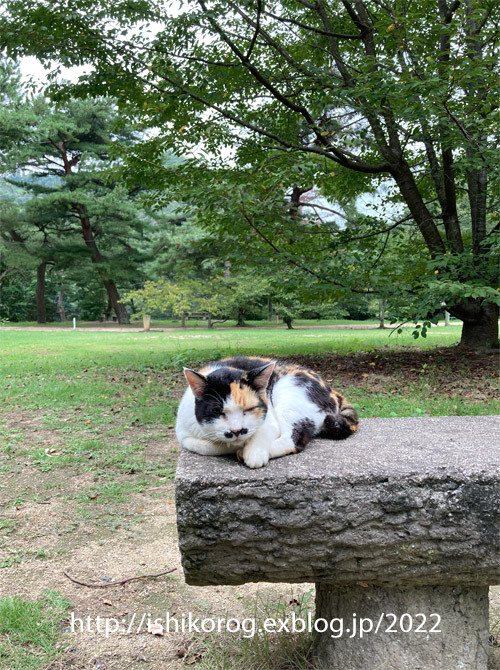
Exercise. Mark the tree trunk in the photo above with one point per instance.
(89, 239)
(41, 313)
(382, 305)
(209, 317)
(481, 332)
(107, 308)
(98, 258)
(241, 317)
(183, 319)
(446, 318)
(114, 299)
(60, 306)
(269, 308)
(288, 322)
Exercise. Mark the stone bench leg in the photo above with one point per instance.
(462, 643)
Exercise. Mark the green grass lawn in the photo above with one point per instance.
(63, 350)
(98, 377)
(30, 631)
(95, 386)
(103, 372)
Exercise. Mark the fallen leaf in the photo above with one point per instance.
(192, 659)
(155, 629)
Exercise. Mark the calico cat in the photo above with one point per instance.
(259, 409)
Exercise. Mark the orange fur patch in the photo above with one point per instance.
(354, 429)
(336, 399)
(243, 395)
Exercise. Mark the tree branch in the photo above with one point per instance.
(256, 31)
(291, 260)
(117, 582)
(319, 31)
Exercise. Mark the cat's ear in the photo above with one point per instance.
(197, 382)
(259, 377)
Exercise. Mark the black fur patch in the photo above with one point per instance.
(335, 427)
(302, 433)
(209, 406)
(245, 363)
(317, 392)
(225, 376)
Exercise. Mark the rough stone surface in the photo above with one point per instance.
(407, 501)
(458, 640)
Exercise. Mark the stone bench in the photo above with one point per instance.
(401, 520)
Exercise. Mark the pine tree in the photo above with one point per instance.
(65, 166)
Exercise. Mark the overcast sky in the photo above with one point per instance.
(31, 68)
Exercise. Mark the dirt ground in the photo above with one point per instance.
(51, 538)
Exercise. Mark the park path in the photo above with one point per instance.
(134, 329)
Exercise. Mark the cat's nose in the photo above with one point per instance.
(237, 433)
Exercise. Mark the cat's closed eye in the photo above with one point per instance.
(250, 409)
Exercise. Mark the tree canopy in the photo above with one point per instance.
(345, 96)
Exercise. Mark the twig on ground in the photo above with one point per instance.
(116, 583)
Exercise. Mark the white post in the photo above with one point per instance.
(74, 323)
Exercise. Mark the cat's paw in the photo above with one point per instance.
(255, 458)
(239, 455)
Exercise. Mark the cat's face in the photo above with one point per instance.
(230, 404)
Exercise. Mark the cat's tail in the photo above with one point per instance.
(341, 424)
